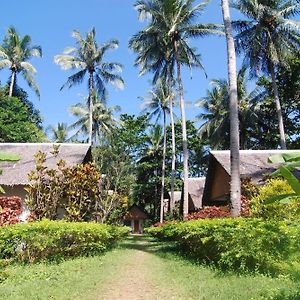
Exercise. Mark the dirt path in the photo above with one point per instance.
(135, 278)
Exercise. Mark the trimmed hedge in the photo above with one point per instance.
(235, 244)
(56, 240)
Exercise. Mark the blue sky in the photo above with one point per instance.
(50, 24)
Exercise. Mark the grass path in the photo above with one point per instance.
(140, 268)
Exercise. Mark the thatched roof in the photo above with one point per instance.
(253, 163)
(196, 189)
(177, 196)
(135, 212)
(16, 173)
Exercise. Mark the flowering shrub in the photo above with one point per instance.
(10, 209)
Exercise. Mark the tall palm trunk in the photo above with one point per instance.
(12, 83)
(172, 200)
(173, 164)
(278, 108)
(184, 135)
(91, 96)
(163, 171)
(235, 184)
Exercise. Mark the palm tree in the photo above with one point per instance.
(235, 182)
(88, 57)
(163, 47)
(267, 38)
(103, 120)
(59, 133)
(215, 112)
(158, 105)
(15, 52)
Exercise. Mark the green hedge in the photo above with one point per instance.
(235, 244)
(56, 240)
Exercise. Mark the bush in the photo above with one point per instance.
(216, 212)
(276, 210)
(235, 244)
(75, 191)
(56, 240)
(10, 209)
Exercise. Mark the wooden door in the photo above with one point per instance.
(136, 226)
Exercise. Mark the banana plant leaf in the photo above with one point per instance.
(284, 198)
(284, 157)
(291, 179)
(5, 156)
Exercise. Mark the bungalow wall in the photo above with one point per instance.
(220, 189)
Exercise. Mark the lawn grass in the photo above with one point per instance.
(168, 276)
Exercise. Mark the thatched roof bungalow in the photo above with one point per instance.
(15, 174)
(253, 164)
(195, 191)
(135, 219)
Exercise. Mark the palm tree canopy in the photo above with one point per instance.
(268, 35)
(215, 106)
(103, 119)
(88, 57)
(15, 52)
(59, 134)
(157, 101)
(169, 20)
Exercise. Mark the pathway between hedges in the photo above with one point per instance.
(136, 277)
(140, 268)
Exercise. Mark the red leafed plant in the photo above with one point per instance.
(212, 212)
(10, 210)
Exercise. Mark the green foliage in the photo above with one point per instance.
(16, 124)
(56, 240)
(276, 187)
(197, 151)
(237, 244)
(288, 162)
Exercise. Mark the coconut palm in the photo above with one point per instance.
(15, 52)
(163, 47)
(266, 38)
(235, 181)
(103, 119)
(158, 105)
(215, 111)
(59, 133)
(88, 57)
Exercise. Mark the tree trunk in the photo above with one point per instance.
(12, 83)
(184, 136)
(235, 184)
(91, 96)
(161, 219)
(278, 109)
(172, 200)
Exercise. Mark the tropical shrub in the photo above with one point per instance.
(235, 244)
(10, 210)
(45, 189)
(212, 212)
(260, 206)
(51, 240)
(76, 192)
(288, 162)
